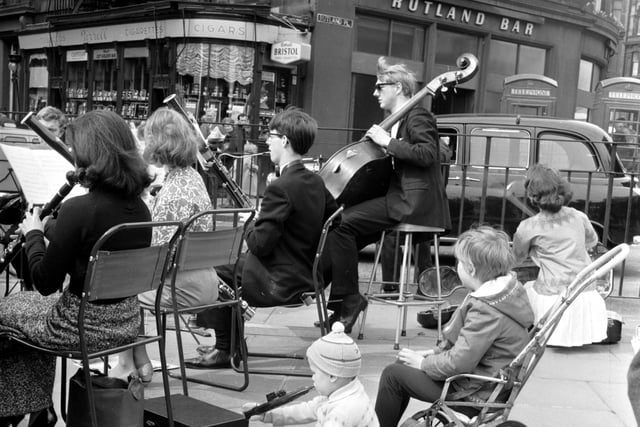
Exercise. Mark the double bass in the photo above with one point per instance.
(361, 170)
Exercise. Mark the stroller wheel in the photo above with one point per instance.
(424, 419)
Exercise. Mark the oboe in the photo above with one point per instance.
(46, 135)
(12, 249)
(239, 197)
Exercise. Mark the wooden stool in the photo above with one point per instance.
(405, 298)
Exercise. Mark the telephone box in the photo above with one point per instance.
(617, 110)
(529, 94)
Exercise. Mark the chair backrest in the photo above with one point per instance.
(128, 272)
(222, 246)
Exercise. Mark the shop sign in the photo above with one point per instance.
(203, 28)
(625, 95)
(77, 55)
(522, 91)
(286, 52)
(334, 20)
(463, 15)
(104, 54)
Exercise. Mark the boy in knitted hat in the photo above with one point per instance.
(335, 361)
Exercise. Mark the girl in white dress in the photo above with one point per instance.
(558, 239)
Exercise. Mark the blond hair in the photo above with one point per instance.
(488, 250)
(397, 73)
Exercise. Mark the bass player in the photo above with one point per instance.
(415, 195)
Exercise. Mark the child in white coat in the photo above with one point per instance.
(335, 361)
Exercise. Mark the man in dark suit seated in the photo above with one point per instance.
(282, 241)
(415, 194)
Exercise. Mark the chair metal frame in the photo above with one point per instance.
(201, 249)
(321, 305)
(513, 377)
(113, 274)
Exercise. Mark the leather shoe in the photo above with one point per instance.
(217, 359)
(203, 350)
(352, 305)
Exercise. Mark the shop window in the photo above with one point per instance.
(588, 76)
(38, 81)
(77, 82)
(531, 60)
(581, 113)
(372, 35)
(105, 90)
(507, 59)
(387, 37)
(407, 41)
(451, 45)
(135, 89)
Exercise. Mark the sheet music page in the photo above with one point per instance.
(40, 172)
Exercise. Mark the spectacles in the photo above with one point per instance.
(379, 86)
(275, 134)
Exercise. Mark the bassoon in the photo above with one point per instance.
(48, 137)
(206, 156)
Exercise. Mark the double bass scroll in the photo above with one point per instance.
(361, 170)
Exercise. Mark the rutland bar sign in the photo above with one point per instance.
(287, 52)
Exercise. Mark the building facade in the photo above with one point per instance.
(258, 57)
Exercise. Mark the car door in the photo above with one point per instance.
(597, 190)
(489, 162)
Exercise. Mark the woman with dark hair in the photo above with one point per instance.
(557, 239)
(109, 165)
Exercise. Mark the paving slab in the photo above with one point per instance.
(581, 387)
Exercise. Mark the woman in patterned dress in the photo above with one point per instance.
(171, 143)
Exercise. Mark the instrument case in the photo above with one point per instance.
(190, 412)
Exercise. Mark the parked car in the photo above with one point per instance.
(490, 157)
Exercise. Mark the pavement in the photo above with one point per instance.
(577, 387)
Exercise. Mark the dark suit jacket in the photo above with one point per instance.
(283, 240)
(416, 193)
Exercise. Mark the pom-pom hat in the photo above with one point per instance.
(336, 353)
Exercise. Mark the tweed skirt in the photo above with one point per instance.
(52, 321)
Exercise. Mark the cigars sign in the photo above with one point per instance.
(464, 15)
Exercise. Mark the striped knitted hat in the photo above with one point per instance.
(336, 353)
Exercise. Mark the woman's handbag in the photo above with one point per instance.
(118, 404)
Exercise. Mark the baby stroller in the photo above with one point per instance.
(509, 383)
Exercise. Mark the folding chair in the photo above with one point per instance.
(321, 305)
(115, 275)
(202, 249)
(508, 385)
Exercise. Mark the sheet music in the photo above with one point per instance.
(40, 172)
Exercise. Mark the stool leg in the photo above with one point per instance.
(371, 278)
(409, 248)
(436, 245)
(401, 306)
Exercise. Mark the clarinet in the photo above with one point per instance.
(46, 135)
(12, 249)
(234, 190)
